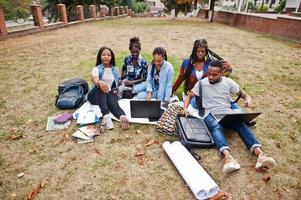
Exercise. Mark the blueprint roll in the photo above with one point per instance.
(199, 182)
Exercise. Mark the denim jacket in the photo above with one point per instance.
(165, 81)
(114, 71)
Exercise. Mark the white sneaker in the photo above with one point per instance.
(230, 165)
(265, 162)
(107, 119)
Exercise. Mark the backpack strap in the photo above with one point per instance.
(238, 97)
(199, 100)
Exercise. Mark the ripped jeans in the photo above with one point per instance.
(217, 131)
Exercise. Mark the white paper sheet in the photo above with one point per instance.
(87, 113)
(200, 183)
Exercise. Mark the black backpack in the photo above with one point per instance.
(70, 97)
(74, 81)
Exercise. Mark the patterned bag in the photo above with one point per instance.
(167, 122)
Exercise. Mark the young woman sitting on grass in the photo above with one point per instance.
(159, 78)
(105, 77)
(134, 71)
(195, 68)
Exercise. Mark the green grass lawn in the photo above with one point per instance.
(32, 67)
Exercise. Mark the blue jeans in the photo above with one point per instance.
(143, 94)
(235, 106)
(217, 131)
(139, 87)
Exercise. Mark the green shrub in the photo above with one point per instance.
(264, 8)
(280, 7)
(250, 5)
(139, 7)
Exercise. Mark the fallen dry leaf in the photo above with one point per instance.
(36, 190)
(64, 165)
(32, 151)
(127, 136)
(149, 143)
(73, 158)
(97, 151)
(266, 179)
(13, 195)
(220, 196)
(138, 132)
(113, 140)
(251, 198)
(280, 193)
(277, 144)
(293, 137)
(140, 153)
(142, 160)
(15, 136)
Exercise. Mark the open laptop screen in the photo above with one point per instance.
(145, 109)
(230, 118)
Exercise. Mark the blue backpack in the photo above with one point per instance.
(70, 97)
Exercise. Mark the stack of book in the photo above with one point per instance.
(85, 134)
(58, 122)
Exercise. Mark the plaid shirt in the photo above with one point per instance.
(134, 73)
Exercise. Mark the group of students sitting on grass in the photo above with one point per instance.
(154, 81)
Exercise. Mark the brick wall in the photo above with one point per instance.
(283, 27)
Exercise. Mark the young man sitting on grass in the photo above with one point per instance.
(216, 91)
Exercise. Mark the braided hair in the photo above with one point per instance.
(199, 43)
(135, 42)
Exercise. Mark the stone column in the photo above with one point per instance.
(62, 14)
(126, 9)
(116, 11)
(102, 11)
(37, 15)
(121, 10)
(80, 12)
(3, 29)
(130, 12)
(92, 11)
(111, 11)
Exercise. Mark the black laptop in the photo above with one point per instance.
(146, 109)
(230, 118)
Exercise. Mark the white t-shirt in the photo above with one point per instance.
(217, 97)
(107, 77)
(199, 74)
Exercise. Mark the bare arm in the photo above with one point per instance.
(100, 84)
(187, 101)
(246, 97)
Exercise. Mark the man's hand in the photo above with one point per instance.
(248, 101)
(103, 86)
(149, 96)
(185, 112)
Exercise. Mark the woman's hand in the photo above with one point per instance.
(103, 86)
(127, 82)
(149, 96)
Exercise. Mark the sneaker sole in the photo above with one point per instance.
(266, 164)
(232, 168)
